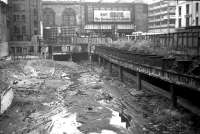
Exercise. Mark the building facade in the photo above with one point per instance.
(187, 14)
(115, 18)
(161, 16)
(25, 16)
(65, 21)
(3, 29)
(100, 18)
(61, 20)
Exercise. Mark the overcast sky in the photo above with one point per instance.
(146, 1)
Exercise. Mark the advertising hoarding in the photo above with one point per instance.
(112, 16)
(5, 1)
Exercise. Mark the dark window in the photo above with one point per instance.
(16, 29)
(187, 21)
(172, 21)
(179, 22)
(23, 18)
(31, 49)
(197, 7)
(35, 23)
(35, 11)
(187, 9)
(35, 32)
(197, 21)
(24, 29)
(16, 18)
(179, 11)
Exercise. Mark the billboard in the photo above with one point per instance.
(112, 16)
(5, 1)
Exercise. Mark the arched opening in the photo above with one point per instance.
(69, 17)
(48, 17)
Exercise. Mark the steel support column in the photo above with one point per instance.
(173, 95)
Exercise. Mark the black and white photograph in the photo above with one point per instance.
(99, 66)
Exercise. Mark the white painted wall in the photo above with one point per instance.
(6, 100)
(192, 13)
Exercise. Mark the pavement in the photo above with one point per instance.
(53, 97)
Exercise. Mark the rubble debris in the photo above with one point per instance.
(65, 98)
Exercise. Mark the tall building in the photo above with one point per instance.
(187, 14)
(161, 16)
(25, 23)
(3, 29)
(141, 16)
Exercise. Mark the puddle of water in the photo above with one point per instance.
(105, 132)
(64, 123)
(116, 120)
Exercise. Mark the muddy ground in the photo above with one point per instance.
(67, 98)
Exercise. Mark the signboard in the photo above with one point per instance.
(5, 1)
(112, 16)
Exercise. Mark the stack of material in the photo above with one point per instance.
(6, 96)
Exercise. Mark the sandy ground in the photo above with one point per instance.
(67, 98)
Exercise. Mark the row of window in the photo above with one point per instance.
(18, 7)
(188, 9)
(161, 16)
(168, 9)
(188, 21)
(22, 37)
(172, 21)
(161, 2)
(18, 29)
(19, 18)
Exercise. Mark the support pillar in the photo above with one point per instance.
(121, 73)
(90, 58)
(15, 53)
(173, 95)
(70, 59)
(103, 61)
(110, 68)
(139, 84)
